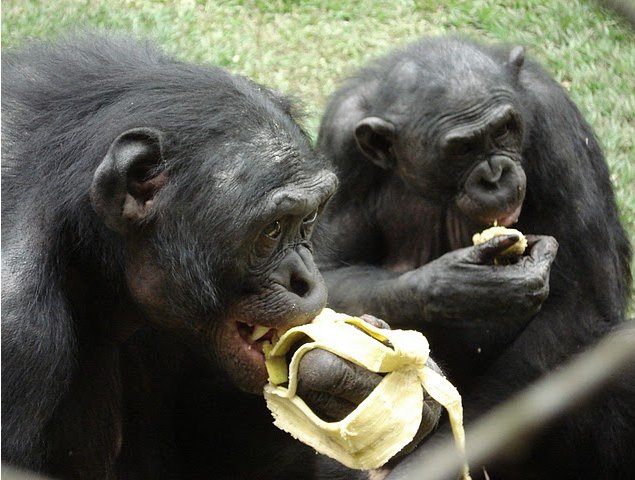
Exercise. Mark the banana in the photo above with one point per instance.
(516, 250)
(388, 419)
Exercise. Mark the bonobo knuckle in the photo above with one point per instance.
(317, 369)
(553, 243)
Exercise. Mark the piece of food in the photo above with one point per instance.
(516, 250)
(388, 419)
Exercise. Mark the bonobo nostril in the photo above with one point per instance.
(497, 169)
(299, 286)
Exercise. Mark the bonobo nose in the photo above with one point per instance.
(496, 179)
(495, 170)
(300, 276)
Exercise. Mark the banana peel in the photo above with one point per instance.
(388, 419)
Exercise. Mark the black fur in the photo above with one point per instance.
(383, 219)
(112, 338)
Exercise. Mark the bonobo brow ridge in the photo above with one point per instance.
(471, 128)
(306, 196)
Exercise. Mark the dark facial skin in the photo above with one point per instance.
(269, 273)
(474, 165)
(432, 144)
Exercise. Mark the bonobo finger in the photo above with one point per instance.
(326, 406)
(323, 371)
(486, 252)
(542, 247)
(374, 321)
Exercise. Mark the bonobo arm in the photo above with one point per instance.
(37, 352)
(462, 286)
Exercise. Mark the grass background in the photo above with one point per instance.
(306, 48)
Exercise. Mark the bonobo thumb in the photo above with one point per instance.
(542, 247)
(486, 252)
(331, 385)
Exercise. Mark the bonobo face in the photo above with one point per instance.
(454, 134)
(273, 281)
(480, 152)
(219, 240)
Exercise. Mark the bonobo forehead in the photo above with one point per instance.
(476, 79)
(455, 62)
(262, 161)
(269, 172)
(461, 84)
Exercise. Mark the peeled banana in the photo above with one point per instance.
(388, 419)
(516, 250)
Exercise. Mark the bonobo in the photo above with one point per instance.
(433, 143)
(157, 220)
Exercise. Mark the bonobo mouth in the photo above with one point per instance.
(241, 352)
(486, 217)
(254, 336)
(508, 219)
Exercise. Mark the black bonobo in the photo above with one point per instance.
(157, 220)
(435, 142)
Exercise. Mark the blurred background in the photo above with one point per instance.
(306, 48)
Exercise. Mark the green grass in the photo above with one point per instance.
(307, 47)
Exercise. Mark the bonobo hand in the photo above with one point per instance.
(466, 284)
(333, 387)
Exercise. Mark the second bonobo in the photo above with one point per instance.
(436, 142)
(426, 159)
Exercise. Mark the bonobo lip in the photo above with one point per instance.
(508, 219)
(500, 219)
(243, 352)
(488, 217)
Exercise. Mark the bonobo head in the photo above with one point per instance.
(216, 191)
(449, 123)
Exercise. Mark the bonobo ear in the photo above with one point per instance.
(516, 60)
(126, 180)
(375, 137)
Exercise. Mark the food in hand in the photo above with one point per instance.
(383, 423)
(516, 250)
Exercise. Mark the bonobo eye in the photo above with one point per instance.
(504, 130)
(460, 147)
(268, 240)
(310, 218)
(273, 230)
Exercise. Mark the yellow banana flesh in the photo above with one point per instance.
(516, 250)
(388, 419)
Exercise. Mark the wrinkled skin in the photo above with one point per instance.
(157, 221)
(434, 143)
